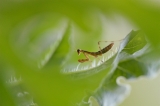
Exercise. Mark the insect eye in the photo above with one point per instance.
(78, 51)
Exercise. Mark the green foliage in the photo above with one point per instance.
(36, 44)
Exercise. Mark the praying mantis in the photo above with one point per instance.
(95, 54)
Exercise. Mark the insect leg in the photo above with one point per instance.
(104, 50)
(100, 48)
(84, 60)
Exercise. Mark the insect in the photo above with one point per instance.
(95, 54)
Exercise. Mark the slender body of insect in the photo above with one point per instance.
(95, 54)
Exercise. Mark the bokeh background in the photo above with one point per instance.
(38, 40)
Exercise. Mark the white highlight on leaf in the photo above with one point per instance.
(32, 103)
(20, 94)
(99, 63)
(78, 66)
(116, 49)
(94, 63)
(14, 80)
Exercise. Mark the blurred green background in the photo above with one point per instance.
(38, 61)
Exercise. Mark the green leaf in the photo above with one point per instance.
(63, 48)
(110, 92)
(133, 42)
(118, 65)
(142, 63)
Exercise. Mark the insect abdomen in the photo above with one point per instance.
(106, 49)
